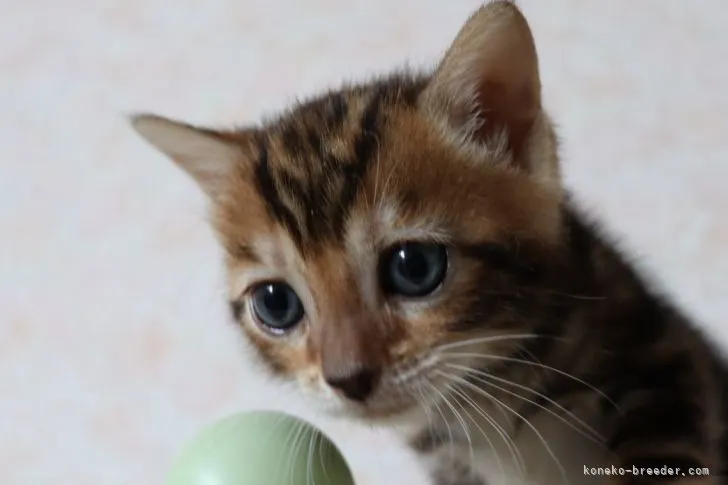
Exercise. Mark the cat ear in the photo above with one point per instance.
(204, 154)
(487, 86)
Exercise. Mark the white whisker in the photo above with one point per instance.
(297, 433)
(322, 463)
(484, 340)
(565, 295)
(515, 454)
(309, 460)
(444, 417)
(592, 434)
(535, 364)
(525, 421)
(460, 420)
(278, 422)
(425, 406)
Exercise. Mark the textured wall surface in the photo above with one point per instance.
(114, 347)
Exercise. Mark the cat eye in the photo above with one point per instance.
(276, 306)
(413, 269)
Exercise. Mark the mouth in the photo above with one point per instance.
(409, 392)
(389, 414)
(382, 406)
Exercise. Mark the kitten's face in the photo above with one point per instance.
(376, 235)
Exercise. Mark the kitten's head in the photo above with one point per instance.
(377, 230)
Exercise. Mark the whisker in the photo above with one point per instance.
(444, 418)
(592, 434)
(538, 372)
(322, 463)
(280, 471)
(484, 340)
(300, 442)
(309, 460)
(565, 295)
(503, 435)
(525, 421)
(425, 407)
(296, 433)
(279, 421)
(539, 365)
(460, 420)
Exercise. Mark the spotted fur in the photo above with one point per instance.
(542, 348)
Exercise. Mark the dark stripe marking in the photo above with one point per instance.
(353, 171)
(338, 110)
(292, 140)
(267, 188)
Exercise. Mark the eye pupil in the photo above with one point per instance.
(277, 306)
(414, 269)
(276, 301)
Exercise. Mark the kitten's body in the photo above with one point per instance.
(624, 340)
(405, 251)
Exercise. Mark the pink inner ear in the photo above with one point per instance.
(493, 59)
(510, 109)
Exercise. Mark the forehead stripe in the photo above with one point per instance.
(312, 193)
(370, 134)
(269, 193)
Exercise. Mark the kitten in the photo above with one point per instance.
(404, 250)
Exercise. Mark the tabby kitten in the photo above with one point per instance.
(404, 250)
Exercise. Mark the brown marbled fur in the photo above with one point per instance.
(534, 301)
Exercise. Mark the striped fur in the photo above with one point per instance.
(540, 326)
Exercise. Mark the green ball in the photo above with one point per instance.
(260, 448)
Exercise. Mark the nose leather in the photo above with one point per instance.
(357, 385)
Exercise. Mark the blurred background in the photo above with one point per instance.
(115, 346)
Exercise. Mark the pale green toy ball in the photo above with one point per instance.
(260, 448)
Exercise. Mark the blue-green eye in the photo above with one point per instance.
(276, 306)
(413, 269)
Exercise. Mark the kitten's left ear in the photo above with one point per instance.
(487, 87)
(206, 155)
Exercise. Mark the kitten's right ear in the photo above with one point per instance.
(204, 154)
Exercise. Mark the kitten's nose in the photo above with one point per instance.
(357, 385)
